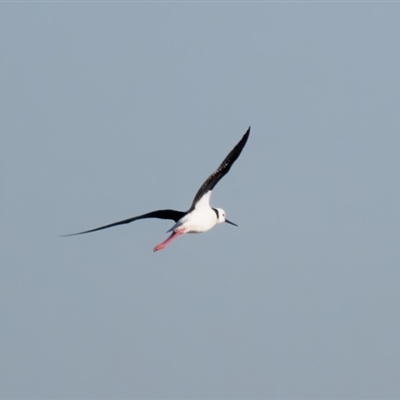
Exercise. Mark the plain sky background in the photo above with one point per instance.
(109, 110)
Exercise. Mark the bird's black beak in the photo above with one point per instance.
(229, 222)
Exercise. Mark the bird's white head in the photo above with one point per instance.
(221, 216)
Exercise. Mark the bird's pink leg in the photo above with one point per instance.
(169, 239)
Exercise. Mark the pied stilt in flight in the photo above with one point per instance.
(200, 217)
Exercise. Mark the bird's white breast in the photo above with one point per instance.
(199, 220)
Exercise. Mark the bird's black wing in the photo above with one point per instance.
(162, 214)
(222, 170)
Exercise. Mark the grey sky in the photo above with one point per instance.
(114, 109)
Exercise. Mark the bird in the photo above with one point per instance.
(200, 217)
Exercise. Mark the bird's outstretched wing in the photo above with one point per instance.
(161, 214)
(222, 170)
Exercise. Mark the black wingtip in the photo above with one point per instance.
(71, 234)
(246, 135)
(243, 141)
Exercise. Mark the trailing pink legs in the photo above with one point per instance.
(168, 240)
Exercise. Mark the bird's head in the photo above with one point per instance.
(221, 216)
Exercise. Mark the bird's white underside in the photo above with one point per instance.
(201, 219)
